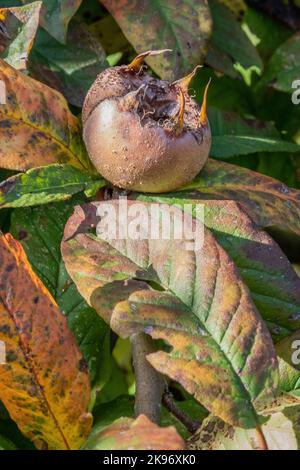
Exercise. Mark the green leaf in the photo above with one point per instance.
(21, 24)
(272, 281)
(55, 16)
(68, 68)
(227, 146)
(45, 184)
(40, 231)
(6, 444)
(229, 38)
(267, 201)
(238, 97)
(216, 339)
(159, 26)
(233, 135)
(284, 66)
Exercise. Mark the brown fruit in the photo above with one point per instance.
(142, 133)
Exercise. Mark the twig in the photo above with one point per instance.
(262, 443)
(191, 425)
(149, 383)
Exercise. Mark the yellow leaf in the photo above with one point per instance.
(43, 382)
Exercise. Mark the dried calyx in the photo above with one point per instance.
(143, 133)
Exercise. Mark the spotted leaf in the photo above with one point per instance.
(36, 126)
(205, 312)
(43, 382)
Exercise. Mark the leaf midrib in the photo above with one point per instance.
(167, 289)
(28, 358)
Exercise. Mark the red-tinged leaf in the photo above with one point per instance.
(271, 279)
(55, 16)
(43, 383)
(210, 321)
(21, 24)
(139, 434)
(157, 25)
(36, 126)
(268, 202)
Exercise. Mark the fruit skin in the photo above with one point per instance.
(132, 134)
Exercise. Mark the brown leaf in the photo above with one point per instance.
(43, 384)
(139, 434)
(36, 126)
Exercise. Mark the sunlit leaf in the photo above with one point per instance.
(44, 384)
(45, 184)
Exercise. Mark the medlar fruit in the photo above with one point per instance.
(143, 133)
